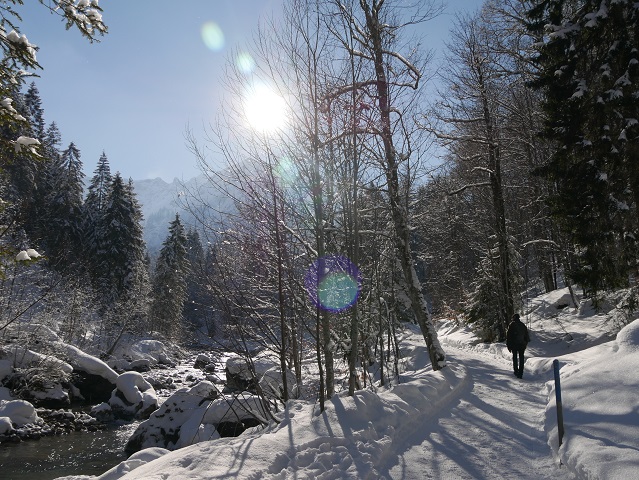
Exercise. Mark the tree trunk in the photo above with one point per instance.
(399, 211)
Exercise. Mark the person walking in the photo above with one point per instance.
(517, 339)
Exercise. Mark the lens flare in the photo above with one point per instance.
(245, 62)
(333, 283)
(286, 171)
(212, 36)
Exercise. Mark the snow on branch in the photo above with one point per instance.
(27, 143)
(466, 187)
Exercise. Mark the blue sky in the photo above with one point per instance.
(156, 72)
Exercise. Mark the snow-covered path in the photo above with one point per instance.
(492, 430)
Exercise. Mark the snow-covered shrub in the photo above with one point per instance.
(39, 377)
(622, 306)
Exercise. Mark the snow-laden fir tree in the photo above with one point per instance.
(35, 112)
(589, 71)
(98, 190)
(94, 209)
(169, 287)
(196, 306)
(121, 251)
(20, 124)
(62, 216)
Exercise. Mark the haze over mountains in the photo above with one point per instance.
(160, 201)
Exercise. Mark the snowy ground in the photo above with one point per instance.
(493, 428)
(472, 420)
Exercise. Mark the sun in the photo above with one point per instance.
(264, 108)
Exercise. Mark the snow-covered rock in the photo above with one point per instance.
(5, 425)
(88, 363)
(133, 396)
(5, 394)
(54, 394)
(153, 350)
(242, 374)
(102, 412)
(201, 361)
(194, 415)
(141, 365)
(273, 387)
(20, 412)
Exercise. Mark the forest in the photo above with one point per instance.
(393, 190)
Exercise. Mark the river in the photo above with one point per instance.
(84, 453)
(77, 453)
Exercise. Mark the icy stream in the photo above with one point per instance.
(86, 453)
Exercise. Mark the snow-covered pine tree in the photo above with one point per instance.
(589, 72)
(121, 252)
(18, 59)
(98, 190)
(62, 220)
(22, 168)
(195, 306)
(29, 173)
(35, 112)
(94, 208)
(169, 287)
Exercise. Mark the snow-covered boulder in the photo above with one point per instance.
(5, 425)
(102, 412)
(54, 394)
(20, 412)
(272, 385)
(82, 361)
(153, 350)
(141, 365)
(163, 428)
(201, 361)
(240, 375)
(133, 397)
(92, 379)
(5, 394)
(194, 415)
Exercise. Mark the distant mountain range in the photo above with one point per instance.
(160, 201)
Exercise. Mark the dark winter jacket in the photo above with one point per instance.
(517, 335)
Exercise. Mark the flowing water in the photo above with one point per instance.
(77, 453)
